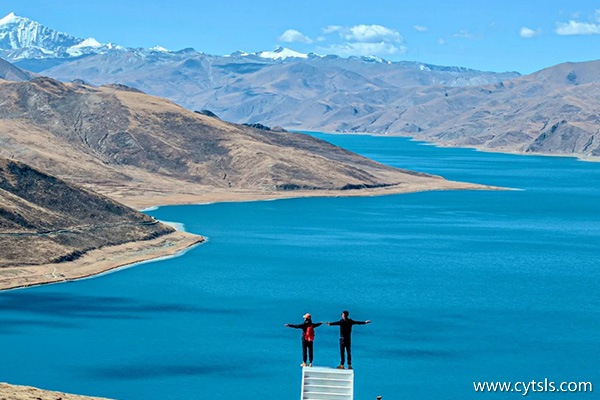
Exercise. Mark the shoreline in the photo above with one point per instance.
(113, 258)
(110, 259)
(99, 262)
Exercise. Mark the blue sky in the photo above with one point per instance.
(524, 36)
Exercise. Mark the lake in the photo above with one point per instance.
(461, 286)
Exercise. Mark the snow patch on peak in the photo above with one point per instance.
(10, 18)
(159, 49)
(83, 47)
(89, 42)
(281, 53)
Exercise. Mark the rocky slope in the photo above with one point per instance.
(130, 145)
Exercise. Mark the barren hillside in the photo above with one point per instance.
(147, 150)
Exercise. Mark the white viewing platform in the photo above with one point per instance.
(320, 383)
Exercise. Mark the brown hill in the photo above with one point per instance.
(48, 226)
(146, 150)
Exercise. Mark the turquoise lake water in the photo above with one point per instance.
(461, 286)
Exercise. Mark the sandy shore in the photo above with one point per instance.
(14, 392)
(97, 261)
(153, 199)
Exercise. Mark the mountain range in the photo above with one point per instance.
(552, 111)
(192, 78)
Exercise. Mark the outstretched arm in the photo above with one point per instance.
(296, 326)
(334, 323)
(362, 322)
(317, 324)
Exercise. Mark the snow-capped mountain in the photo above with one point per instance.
(36, 47)
(18, 33)
(22, 38)
(282, 53)
(279, 54)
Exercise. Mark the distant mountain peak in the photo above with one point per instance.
(17, 33)
(90, 42)
(15, 23)
(281, 53)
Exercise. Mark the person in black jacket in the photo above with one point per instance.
(345, 325)
(308, 337)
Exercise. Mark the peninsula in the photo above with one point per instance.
(74, 152)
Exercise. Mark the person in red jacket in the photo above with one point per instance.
(308, 338)
(345, 325)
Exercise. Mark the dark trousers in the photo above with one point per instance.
(307, 347)
(345, 348)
